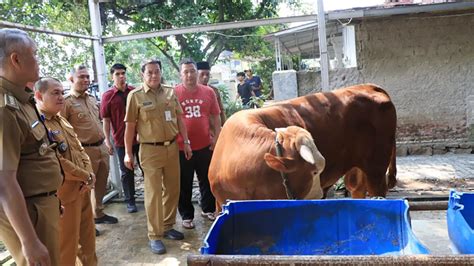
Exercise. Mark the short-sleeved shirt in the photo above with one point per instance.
(74, 160)
(82, 112)
(112, 107)
(255, 82)
(155, 111)
(24, 145)
(198, 105)
(245, 92)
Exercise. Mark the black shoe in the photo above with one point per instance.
(157, 247)
(106, 219)
(173, 235)
(97, 232)
(131, 208)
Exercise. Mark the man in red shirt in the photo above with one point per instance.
(201, 108)
(113, 113)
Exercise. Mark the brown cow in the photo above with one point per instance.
(353, 128)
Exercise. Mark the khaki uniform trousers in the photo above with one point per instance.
(161, 167)
(77, 227)
(44, 214)
(100, 165)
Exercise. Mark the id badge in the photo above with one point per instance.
(168, 115)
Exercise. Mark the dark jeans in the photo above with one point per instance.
(127, 175)
(199, 163)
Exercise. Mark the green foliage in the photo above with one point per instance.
(56, 54)
(59, 54)
(159, 15)
(231, 106)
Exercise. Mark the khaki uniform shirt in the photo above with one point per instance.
(24, 143)
(82, 111)
(74, 161)
(155, 111)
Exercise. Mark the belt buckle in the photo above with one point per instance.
(166, 143)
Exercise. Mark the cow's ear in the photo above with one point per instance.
(282, 164)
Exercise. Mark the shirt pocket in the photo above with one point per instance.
(38, 132)
(149, 112)
(77, 115)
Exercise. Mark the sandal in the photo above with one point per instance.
(188, 224)
(209, 215)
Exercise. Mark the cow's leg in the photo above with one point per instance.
(355, 182)
(376, 181)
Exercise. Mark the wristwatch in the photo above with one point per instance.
(187, 142)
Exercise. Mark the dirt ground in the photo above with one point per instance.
(126, 243)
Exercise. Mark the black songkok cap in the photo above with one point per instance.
(203, 65)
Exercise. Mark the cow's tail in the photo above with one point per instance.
(392, 168)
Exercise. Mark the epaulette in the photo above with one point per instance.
(9, 101)
(136, 90)
(67, 96)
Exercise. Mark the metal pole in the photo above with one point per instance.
(102, 81)
(323, 49)
(7, 24)
(277, 54)
(98, 45)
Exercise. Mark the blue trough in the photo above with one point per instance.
(461, 221)
(313, 227)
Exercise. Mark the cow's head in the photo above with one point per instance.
(300, 159)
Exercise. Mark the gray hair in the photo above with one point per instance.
(77, 68)
(12, 40)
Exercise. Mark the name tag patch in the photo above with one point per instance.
(168, 115)
(147, 103)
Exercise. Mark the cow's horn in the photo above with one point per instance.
(306, 154)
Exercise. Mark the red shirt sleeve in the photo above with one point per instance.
(105, 105)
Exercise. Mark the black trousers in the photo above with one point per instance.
(199, 163)
(127, 175)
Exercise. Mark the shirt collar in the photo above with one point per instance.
(116, 90)
(23, 94)
(47, 115)
(77, 94)
(147, 89)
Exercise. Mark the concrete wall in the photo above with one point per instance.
(427, 66)
(285, 85)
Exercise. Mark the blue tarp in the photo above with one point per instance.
(313, 227)
(461, 221)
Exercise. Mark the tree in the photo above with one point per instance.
(56, 54)
(158, 15)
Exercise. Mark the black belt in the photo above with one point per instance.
(98, 143)
(41, 195)
(166, 143)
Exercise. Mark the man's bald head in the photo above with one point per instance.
(13, 40)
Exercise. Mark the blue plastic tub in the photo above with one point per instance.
(313, 227)
(461, 221)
